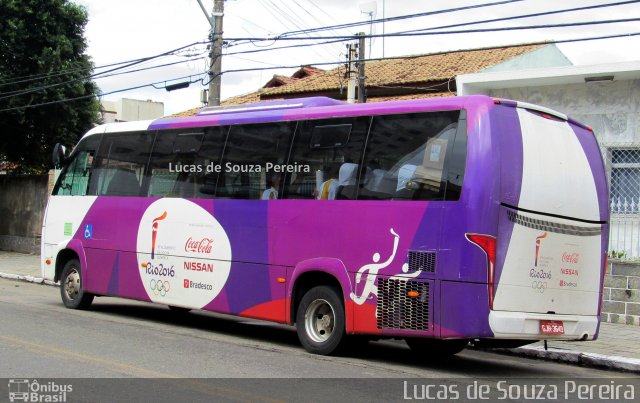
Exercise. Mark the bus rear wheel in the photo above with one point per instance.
(320, 321)
(436, 347)
(71, 290)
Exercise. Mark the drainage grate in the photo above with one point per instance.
(397, 310)
(422, 261)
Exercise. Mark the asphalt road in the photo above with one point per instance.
(222, 358)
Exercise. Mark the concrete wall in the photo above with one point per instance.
(129, 110)
(23, 199)
(621, 302)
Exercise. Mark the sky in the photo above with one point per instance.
(123, 30)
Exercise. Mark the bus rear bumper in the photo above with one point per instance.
(526, 325)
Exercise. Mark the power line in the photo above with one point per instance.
(449, 51)
(107, 93)
(467, 31)
(397, 18)
(401, 17)
(516, 17)
(93, 76)
(129, 63)
(453, 25)
(594, 38)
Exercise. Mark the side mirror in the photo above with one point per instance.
(58, 157)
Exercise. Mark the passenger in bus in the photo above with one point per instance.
(327, 189)
(271, 193)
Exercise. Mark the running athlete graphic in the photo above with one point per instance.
(371, 271)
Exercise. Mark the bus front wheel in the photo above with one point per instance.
(436, 347)
(71, 290)
(320, 321)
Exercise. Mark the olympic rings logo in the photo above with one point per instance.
(539, 285)
(160, 287)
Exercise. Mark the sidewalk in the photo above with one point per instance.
(616, 347)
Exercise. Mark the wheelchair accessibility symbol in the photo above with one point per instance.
(88, 231)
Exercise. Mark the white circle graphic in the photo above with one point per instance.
(184, 254)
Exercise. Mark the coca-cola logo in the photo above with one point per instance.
(204, 245)
(570, 257)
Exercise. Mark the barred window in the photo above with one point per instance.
(625, 180)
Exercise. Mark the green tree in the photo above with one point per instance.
(43, 39)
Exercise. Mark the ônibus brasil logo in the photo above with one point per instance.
(538, 242)
(154, 232)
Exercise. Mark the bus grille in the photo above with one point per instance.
(422, 261)
(397, 310)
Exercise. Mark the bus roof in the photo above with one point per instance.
(311, 108)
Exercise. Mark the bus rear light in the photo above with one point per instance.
(488, 245)
(48, 262)
(281, 280)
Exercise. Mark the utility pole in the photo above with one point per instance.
(216, 54)
(215, 35)
(361, 86)
(351, 83)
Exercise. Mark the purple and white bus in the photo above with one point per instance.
(439, 221)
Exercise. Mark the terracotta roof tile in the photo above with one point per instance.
(430, 69)
(407, 70)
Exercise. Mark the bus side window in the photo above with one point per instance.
(330, 151)
(74, 179)
(182, 162)
(253, 154)
(457, 160)
(407, 155)
(120, 164)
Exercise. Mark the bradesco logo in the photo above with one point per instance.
(197, 285)
(187, 243)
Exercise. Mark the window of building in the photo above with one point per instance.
(625, 180)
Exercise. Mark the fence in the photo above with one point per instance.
(623, 169)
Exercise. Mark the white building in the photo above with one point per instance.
(127, 110)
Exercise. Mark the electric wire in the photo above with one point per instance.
(594, 38)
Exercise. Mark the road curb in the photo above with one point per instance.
(573, 357)
(28, 279)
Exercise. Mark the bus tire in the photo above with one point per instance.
(436, 347)
(320, 321)
(71, 290)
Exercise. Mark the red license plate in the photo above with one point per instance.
(551, 327)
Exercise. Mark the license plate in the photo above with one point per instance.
(551, 327)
